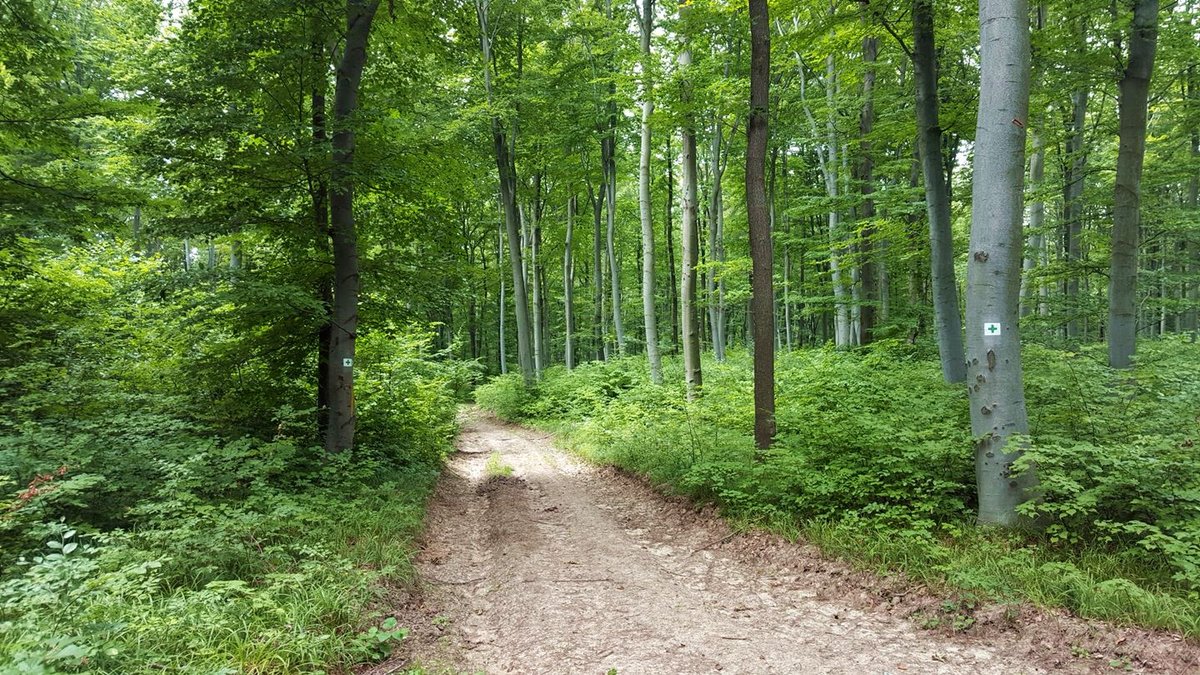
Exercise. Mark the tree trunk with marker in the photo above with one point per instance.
(340, 433)
(995, 388)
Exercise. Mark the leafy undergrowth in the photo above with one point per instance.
(166, 505)
(873, 463)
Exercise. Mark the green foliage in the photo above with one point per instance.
(873, 461)
(158, 513)
(505, 395)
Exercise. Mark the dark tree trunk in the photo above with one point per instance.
(319, 193)
(866, 174)
(340, 436)
(758, 213)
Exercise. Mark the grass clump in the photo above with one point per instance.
(873, 462)
(495, 466)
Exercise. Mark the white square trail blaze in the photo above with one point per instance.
(991, 330)
(347, 363)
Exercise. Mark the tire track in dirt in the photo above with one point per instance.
(563, 567)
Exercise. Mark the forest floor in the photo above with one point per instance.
(537, 562)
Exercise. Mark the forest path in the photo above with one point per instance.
(564, 567)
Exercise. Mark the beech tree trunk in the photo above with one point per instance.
(506, 168)
(597, 202)
(690, 235)
(1192, 287)
(340, 435)
(1073, 182)
(569, 285)
(649, 313)
(757, 212)
(1134, 89)
(502, 308)
(319, 194)
(1035, 220)
(946, 315)
(673, 283)
(716, 208)
(996, 390)
(866, 176)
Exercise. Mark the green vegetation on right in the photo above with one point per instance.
(873, 462)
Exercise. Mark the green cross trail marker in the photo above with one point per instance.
(991, 329)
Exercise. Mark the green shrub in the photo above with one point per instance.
(506, 395)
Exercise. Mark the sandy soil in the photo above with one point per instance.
(563, 567)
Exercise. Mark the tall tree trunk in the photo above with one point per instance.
(536, 320)
(1192, 263)
(690, 236)
(340, 436)
(866, 177)
(716, 320)
(502, 308)
(841, 313)
(535, 244)
(757, 212)
(319, 195)
(610, 202)
(673, 285)
(1036, 220)
(608, 159)
(569, 285)
(506, 168)
(996, 389)
(597, 201)
(946, 314)
(1134, 93)
(649, 315)
(1073, 183)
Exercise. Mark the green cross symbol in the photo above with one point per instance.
(993, 328)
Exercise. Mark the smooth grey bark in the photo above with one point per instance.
(1073, 183)
(1134, 92)
(946, 315)
(536, 319)
(1035, 220)
(1192, 253)
(597, 202)
(569, 285)
(340, 434)
(506, 169)
(827, 163)
(610, 202)
(996, 390)
(500, 269)
(608, 161)
(762, 299)
(689, 233)
(673, 284)
(716, 249)
(649, 313)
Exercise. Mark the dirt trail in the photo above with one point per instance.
(566, 568)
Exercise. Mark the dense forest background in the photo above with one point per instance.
(253, 254)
